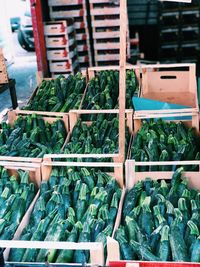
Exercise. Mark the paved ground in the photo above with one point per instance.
(23, 71)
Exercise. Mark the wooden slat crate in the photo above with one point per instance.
(60, 54)
(62, 66)
(58, 28)
(74, 115)
(82, 47)
(59, 42)
(34, 169)
(96, 249)
(132, 177)
(47, 116)
(81, 36)
(3, 70)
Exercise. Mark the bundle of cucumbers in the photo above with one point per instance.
(75, 205)
(32, 136)
(103, 90)
(100, 137)
(16, 194)
(58, 95)
(158, 140)
(161, 221)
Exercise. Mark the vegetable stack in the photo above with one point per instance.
(31, 136)
(59, 95)
(75, 205)
(161, 221)
(100, 137)
(16, 194)
(165, 141)
(103, 90)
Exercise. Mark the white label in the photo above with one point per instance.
(132, 264)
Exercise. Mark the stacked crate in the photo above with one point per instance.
(61, 47)
(179, 32)
(76, 10)
(105, 20)
(3, 70)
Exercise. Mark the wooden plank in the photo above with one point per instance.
(107, 57)
(106, 34)
(105, 11)
(65, 2)
(66, 14)
(106, 23)
(49, 161)
(122, 79)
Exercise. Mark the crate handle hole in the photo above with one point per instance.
(168, 77)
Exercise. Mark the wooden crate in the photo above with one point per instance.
(3, 70)
(59, 42)
(73, 117)
(132, 177)
(52, 28)
(47, 116)
(50, 117)
(34, 170)
(63, 66)
(96, 249)
(189, 117)
(173, 83)
(60, 54)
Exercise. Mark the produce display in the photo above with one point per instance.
(16, 194)
(103, 90)
(165, 141)
(31, 136)
(161, 221)
(100, 137)
(58, 95)
(75, 205)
